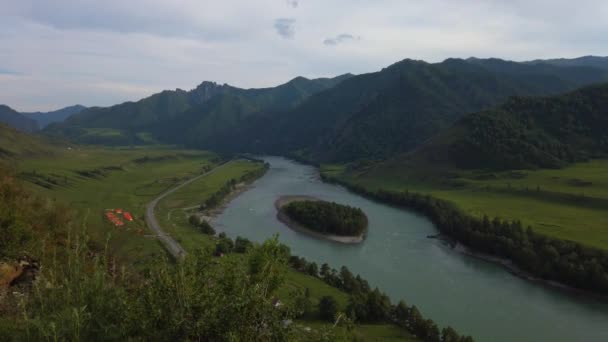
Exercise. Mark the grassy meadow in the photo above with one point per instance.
(173, 211)
(90, 180)
(568, 203)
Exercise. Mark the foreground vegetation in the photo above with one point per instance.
(327, 217)
(367, 305)
(91, 284)
(82, 293)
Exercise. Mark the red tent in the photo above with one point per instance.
(128, 216)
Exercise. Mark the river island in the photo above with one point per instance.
(322, 219)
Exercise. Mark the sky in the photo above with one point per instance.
(55, 53)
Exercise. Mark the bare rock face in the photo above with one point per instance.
(18, 274)
(8, 273)
(30, 269)
(207, 90)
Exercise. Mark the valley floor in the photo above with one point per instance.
(567, 203)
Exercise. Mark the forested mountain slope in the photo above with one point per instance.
(525, 132)
(169, 114)
(399, 108)
(370, 116)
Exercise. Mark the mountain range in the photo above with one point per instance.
(589, 61)
(194, 117)
(46, 118)
(370, 116)
(32, 122)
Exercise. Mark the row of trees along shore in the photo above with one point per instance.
(369, 306)
(564, 261)
(327, 217)
(366, 305)
(217, 197)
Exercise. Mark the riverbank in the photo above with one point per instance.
(211, 214)
(520, 273)
(281, 216)
(461, 227)
(236, 188)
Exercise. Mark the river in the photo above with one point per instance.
(473, 296)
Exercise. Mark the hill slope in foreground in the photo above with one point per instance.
(86, 259)
(14, 144)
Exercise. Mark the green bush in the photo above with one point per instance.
(328, 308)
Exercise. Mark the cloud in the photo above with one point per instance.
(285, 27)
(10, 72)
(339, 39)
(104, 52)
(191, 19)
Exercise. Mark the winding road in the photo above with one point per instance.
(176, 250)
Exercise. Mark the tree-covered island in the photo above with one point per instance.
(324, 219)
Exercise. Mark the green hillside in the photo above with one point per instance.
(16, 120)
(15, 144)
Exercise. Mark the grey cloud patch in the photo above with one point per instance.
(292, 3)
(285, 27)
(121, 17)
(341, 38)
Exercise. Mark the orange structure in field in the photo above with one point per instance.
(114, 219)
(127, 216)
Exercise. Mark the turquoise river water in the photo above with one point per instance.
(473, 296)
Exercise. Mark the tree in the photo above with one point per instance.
(206, 228)
(269, 262)
(401, 313)
(301, 302)
(378, 306)
(242, 245)
(312, 269)
(349, 283)
(194, 221)
(223, 246)
(328, 308)
(449, 335)
(324, 270)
